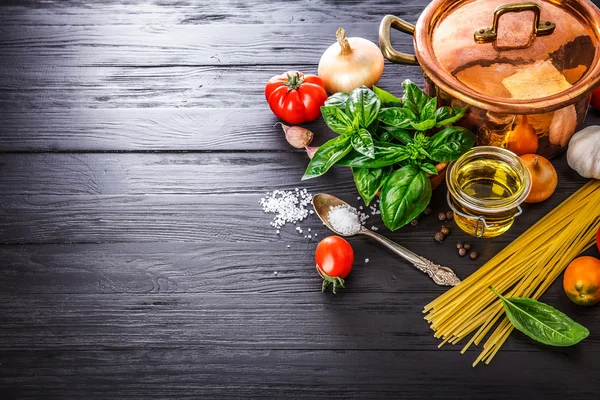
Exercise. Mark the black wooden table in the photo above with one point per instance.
(135, 259)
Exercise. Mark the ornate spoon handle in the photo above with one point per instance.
(443, 276)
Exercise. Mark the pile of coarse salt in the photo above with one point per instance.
(287, 205)
(345, 219)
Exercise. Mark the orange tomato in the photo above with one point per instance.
(523, 139)
(581, 281)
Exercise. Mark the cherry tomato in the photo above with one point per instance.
(295, 97)
(596, 99)
(582, 281)
(334, 257)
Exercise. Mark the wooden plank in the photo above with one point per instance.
(31, 12)
(39, 87)
(188, 213)
(207, 373)
(377, 321)
(177, 45)
(156, 129)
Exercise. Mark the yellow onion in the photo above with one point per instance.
(350, 63)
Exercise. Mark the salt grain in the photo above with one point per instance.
(346, 220)
(366, 260)
(373, 228)
(288, 206)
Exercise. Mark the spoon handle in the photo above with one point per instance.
(443, 276)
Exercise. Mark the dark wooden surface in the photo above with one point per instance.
(135, 259)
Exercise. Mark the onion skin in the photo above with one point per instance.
(543, 177)
(350, 63)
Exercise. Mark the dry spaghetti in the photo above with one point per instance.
(525, 268)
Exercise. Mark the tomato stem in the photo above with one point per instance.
(330, 280)
(294, 81)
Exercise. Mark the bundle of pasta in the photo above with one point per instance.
(525, 268)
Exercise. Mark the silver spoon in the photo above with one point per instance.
(444, 276)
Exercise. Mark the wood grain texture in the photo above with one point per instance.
(129, 87)
(177, 45)
(200, 12)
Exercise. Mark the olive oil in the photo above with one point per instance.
(486, 186)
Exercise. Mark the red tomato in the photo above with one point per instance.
(596, 99)
(334, 257)
(295, 97)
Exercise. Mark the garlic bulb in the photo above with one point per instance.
(583, 154)
(350, 63)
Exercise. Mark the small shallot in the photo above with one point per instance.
(297, 136)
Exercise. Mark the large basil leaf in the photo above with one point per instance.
(450, 143)
(337, 120)
(414, 98)
(404, 195)
(364, 105)
(337, 100)
(423, 125)
(541, 322)
(385, 154)
(387, 99)
(397, 117)
(448, 115)
(428, 111)
(362, 141)
(327, 155)
(369, 180)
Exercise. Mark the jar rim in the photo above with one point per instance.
(489, 206)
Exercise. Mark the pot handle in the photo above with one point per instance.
(385, 43)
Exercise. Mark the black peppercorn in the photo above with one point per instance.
(427, 210)
(439, 237)
(442, 216)
(445, 230)
(462, 252)
(459, 246)
(414, 222)
(449, 215)
(473, 255)
(467, 246)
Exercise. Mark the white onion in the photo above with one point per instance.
(350, 63)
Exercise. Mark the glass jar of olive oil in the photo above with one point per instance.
(486, 186)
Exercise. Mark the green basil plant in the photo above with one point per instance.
(391, 145)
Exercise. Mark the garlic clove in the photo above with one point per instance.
(297, 136)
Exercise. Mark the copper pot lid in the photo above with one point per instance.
(513, 57)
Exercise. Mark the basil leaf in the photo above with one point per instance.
(387, 99)
(404, 195)
(429, 168)
(450, 143)
(428, 111)
(402, 135)
(364, 105)
(402, 118)
(385, 154)
(423, 125)
(447, 115)
(336, 120)
(541, 322)
(385, 136)
(337, 100)
(414, 98)
(362, 142)
(327, 155)
(369, 180)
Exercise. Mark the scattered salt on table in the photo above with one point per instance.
(288, 206)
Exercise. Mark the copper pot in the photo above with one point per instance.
(540, 59)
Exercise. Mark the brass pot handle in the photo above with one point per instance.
(385, 43)
(540, 28)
